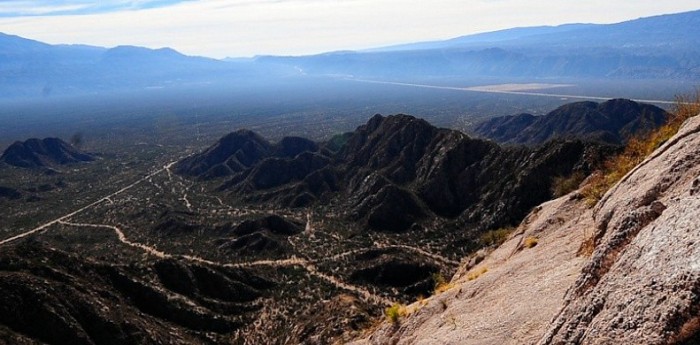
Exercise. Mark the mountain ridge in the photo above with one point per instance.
(394, 160)
(307, 242)
(665, 51)
(512, 36)
(612, 122)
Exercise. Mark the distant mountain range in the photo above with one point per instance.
(612, 122)
(29, 68)
(664, 31)
(487, 38)
(661, 47)
(664, 46)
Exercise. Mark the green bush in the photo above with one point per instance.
(395, 312)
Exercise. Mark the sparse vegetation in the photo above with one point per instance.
(441, 284)
(562, 185)
(530, 242)
(439, 279)
(421, 300)
(495, 238)
(395, 312)
(477, 273)
(639, 148)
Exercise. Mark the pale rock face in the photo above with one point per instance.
(514, 300)
(640, 286)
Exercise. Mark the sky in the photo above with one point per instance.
(241, 28)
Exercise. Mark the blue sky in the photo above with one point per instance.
(221, 28)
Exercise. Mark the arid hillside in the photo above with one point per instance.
(625, 271)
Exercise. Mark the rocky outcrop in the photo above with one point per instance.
(640, 285)
(647, 241)
(42, 153)
(612, 122)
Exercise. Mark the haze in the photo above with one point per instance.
(224, 28)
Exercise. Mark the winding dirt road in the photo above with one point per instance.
(306, 264)
(107, 198)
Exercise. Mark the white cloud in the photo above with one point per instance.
(15, 8)
(221, 28)
(18, 8)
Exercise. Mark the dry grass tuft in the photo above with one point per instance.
(530, 242)
(441, 284)
(476, 274)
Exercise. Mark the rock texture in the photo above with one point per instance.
(39, 153)
(641, 285)
(613, 122)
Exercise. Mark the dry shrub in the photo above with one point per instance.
(476, 274)
(395, 312)
(441, 284)
(530, 242)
